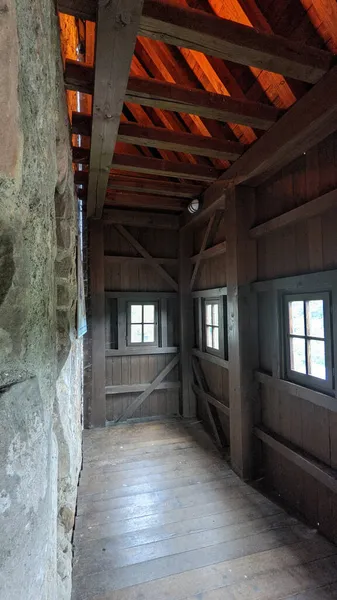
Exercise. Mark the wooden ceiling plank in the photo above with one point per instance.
(147, 201)
(226, 39)
(178, 98)
(156, 166)
(135, 218)
(117, 28)
(159, 137)
(304, 125)
(137, 184)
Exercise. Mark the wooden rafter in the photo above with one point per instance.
(178, 98)
(151, 186)
(155, 166)
(134, 218)
(226, 39)
(140, 399)
(145, 254)
(159, 137)
(148, 201)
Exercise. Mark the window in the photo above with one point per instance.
(212, 336)
(143, 323)
(308, 344)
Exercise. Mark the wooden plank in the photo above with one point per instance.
(145, 254)
(140, 296)
(312, 466)
(155, 166)
(207, 397)
(141, 219)
(305, 211)
(178, 98)
(287, 387)
(214, 36)
(138, 401)
(202, 385)
(310, 120)
(140, 387)
(116, 31)
(216, 250)
(314, 281)
(212, 358)
(242, 327)
(148, 201)
(202, 250)
(159, 137)
(188, 408)
(165, 168)
(138, 260)
(147, 186)
(142, 351)
(179, 141)
(96, 257)
(210, 293)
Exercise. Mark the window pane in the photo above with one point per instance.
(148, 334)
(136, 334)
(216, 338)
(297, 355)
(215, 314)
(209, 337)
(296, 317)
(136, 313)
(316, 358)
(208, 314)
(148, 313)
(315, 318)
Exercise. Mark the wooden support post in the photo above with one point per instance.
(189, 406)
(242, 327)
(98, 407)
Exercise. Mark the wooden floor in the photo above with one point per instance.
(162, 517)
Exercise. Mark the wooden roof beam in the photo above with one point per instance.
(117, 199)
(151, 186)
(159, 137)
(117, 28)
(155, 166)
(226, 39)
(304, 125)
(177, 98)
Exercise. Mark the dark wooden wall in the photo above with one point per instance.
(128, 276)
(307, 246)
(212, 274)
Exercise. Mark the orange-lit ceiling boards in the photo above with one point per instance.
(171, 101)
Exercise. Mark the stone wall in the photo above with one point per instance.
(40, 357)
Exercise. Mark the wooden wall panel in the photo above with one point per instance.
(308, 246)
(128, 276)
(212, 274)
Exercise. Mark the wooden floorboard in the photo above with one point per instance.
(161, 516)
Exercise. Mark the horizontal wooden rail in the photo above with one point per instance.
(314, 281)
(216, 360)
(210, 293)
(211, 399)
(216, 250)
(212, 35)
(310, 209)
(135, 218)
(142, 351)
(298, 391)
(159, 137)
(140, 387)
(178, 98)
(138, 260)
(298, 457)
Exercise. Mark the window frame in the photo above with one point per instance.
(209, 349)
(307, 380)
(142, 303)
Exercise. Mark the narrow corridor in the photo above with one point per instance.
(161, 516)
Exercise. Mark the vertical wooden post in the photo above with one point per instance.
(242, 327)
(186, 323)
(96, 250)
